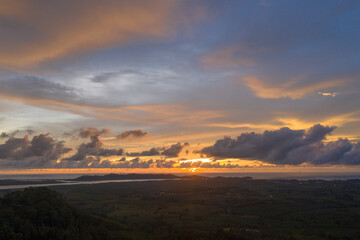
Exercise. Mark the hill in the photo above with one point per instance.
(40, 213)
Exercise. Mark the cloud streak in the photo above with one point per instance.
(289, 89)
(35, 33)
(59, 97)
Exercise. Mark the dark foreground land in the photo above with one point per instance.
(213, 208)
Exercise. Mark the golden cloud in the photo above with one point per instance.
(296, 123)
(36, 31)
(286, 90)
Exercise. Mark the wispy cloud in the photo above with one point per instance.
(35, 33)
(59, 97)
(288, 89)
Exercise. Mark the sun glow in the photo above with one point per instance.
(192, 170)
(198, 160)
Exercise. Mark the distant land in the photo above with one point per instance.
(19, 183)
(131, 176)
(22, 182)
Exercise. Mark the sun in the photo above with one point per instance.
(192, 170)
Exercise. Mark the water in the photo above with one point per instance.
(6, 187)
(66, 178)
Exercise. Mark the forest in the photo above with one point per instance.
(195, 208)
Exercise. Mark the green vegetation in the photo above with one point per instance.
(39, 213)
(217, 208)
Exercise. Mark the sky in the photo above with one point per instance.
(179, 86)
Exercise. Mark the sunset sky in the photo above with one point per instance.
(179, 86)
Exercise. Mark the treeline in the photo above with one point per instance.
(40, 213)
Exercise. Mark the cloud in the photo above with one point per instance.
(152, 152)
(121, 163)
(129, 75)
(104, 77)
(55, 96)
(290, 89)
(169, 151)
(15, 132)
(32, 33)
(288, 147)
(161, 163)
(94, 147)
(37, 88)
(41, 147)
(173, 150)
(132, 134)
(4, 135)
(158, 163)
(138, 163)
(92, 132)
(330, 94)
(133, 163)
(200, 164)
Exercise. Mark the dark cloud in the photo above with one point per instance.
(4, 135)
(173, 150)
(95, 146)
(200, 164)
(37, 88)
(162, 163)
(150, 152)
(288, 147)
(132, 133)
(91, 162)
(49, 94)
(135, 163)
(89, 132)
(29, 131)
(104, 77)
(15, 132)
(144, 77)
(318, 133)
(41, 147)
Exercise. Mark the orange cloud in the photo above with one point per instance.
(329, 94)
(296, 123)
(40, 31)
(286, 90)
